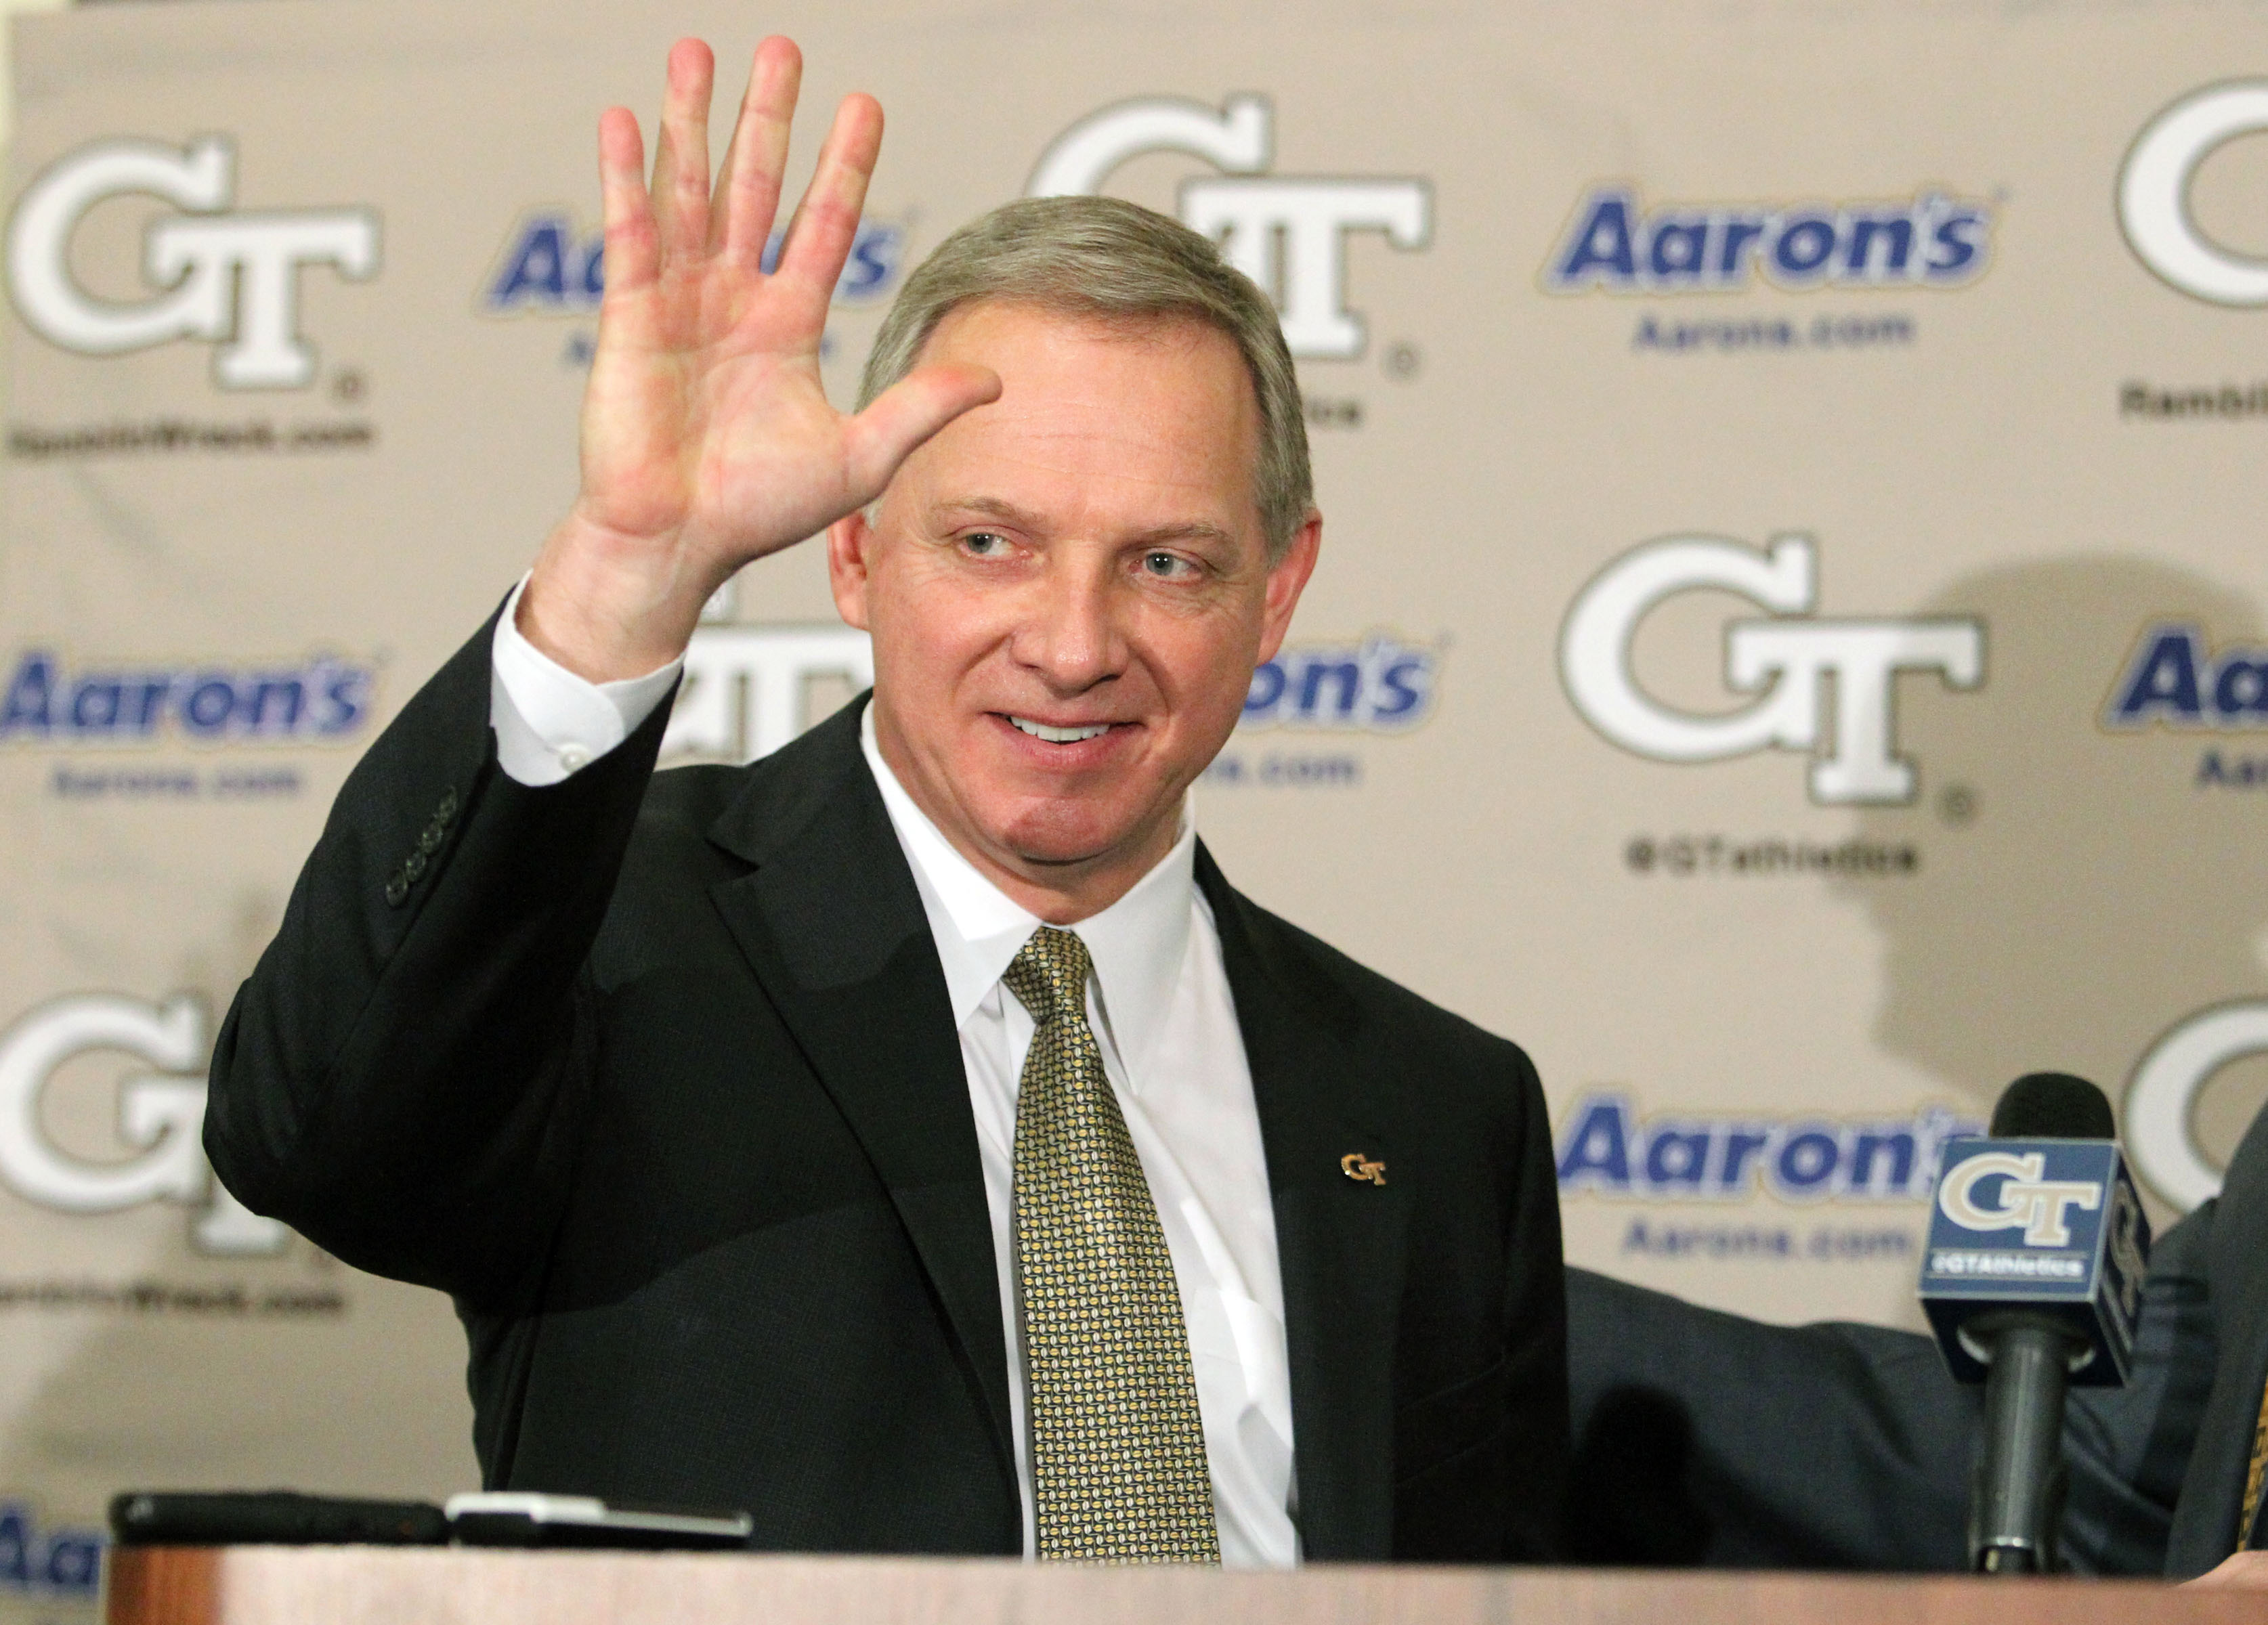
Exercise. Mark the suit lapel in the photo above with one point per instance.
(1339, 1240)
(833, 926)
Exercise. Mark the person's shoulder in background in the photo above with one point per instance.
(1705, 1438)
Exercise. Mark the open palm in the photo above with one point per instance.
(707, 437)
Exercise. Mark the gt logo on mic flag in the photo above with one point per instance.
(2050, 1227)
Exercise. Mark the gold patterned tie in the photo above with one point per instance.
(2252, 1475)
(1118, 1455)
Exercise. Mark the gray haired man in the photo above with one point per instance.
(911, 1138)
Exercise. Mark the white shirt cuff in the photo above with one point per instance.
(551, 724)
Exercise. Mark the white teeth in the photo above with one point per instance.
(1058, 736)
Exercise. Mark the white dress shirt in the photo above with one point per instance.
(1163, 1017)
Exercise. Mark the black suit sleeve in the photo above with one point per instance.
(2128, 1448)
(1535, 1340)
(1707, 1438)
(401, 1076)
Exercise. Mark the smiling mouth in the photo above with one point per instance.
(1058, 736)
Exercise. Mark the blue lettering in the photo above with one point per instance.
(1738, 245)
(15, 1546)
(1897, 232)
(1596, 1150)
(1406, 682)
(74, 1562)
(1602, 248)
(275, 703)
(1268, 684)
(1897, 1146)
(1740, 1145)
(873, 262)
(537, 271)
(1348, 676)
(323, 697)
(1676, 1157)
(345, 692)
(150, 692)
(1615, 244)
(209, 704)
(1805, 245)
(31, 696)
(2240, 688)
(96, 704)
(1678, 250)
(2161, 685)
(1958, 246)
(1807, 1161)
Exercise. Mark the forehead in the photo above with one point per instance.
(1142, 418)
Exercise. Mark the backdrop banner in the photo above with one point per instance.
(1788, 648)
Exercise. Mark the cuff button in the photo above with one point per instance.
(397, 887)
(574, 758)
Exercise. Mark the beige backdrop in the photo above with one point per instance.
(1723, 415)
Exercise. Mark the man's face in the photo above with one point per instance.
(1068, 590)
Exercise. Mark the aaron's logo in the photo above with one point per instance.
(230, 278)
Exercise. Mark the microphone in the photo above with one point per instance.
(2032, 1280)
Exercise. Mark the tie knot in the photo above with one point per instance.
(1048, 975)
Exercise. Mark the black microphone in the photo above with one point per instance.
(2032, 1280)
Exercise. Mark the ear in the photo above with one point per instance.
(849, 540)
(1287, 578)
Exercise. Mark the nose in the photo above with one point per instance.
(1069, 634)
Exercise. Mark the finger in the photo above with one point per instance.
(819, 237)
(907, 413)
(633, 250)
(748, 184)
(680, 155)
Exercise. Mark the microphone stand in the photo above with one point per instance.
(2017, 1499)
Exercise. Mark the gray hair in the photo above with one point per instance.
(1114, 261)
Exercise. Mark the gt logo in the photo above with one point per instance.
(743, 693)
(232, 279)
(2027, 1197)
(1248, 211)
(160, 1116)
(2154, 192)
(1362, 1170)
(1783, 660)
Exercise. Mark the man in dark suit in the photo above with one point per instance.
(912, 1138)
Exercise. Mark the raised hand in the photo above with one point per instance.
(707, 439)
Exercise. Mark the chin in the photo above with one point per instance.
(1060, 833)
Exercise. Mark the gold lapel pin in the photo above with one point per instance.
(1360, 1169)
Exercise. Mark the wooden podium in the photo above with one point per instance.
(380, 1586)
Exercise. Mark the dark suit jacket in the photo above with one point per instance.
(2234, 1246)
(1706, 1438)
(656, 1075)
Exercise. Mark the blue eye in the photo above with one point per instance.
(1164, 564)
(983, 544)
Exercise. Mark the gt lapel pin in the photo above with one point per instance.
(1360, 1169)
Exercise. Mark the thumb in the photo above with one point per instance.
(907, 413)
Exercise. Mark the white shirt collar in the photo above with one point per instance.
(1137, 943)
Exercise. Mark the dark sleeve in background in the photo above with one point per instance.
(1708, 1440)
(2128, 1448)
